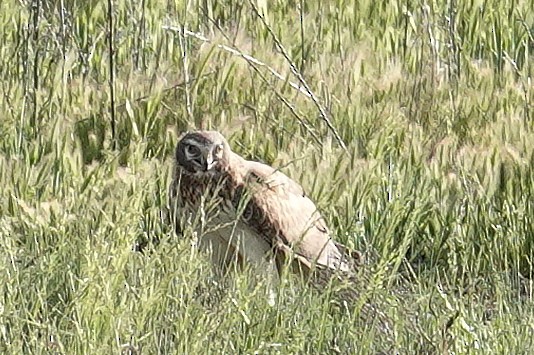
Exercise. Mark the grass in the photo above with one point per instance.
(431, 100)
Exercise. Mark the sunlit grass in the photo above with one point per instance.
(432, 101)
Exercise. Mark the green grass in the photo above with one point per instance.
(432, 100)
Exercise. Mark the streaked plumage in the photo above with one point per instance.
(246, 211)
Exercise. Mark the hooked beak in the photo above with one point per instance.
(209, 162)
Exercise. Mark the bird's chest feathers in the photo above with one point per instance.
(207, 196)
(213, 208)
(196, 189)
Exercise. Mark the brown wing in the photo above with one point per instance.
(282, 212)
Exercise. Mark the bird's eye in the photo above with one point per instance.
(218, 149)
(192, 151)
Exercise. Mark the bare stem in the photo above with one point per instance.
(111, 72)
(296, 72)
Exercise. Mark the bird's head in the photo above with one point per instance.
(202, 152)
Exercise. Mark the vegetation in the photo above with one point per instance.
(410, 123)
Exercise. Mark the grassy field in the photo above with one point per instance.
(410, 123)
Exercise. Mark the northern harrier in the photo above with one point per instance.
(249, 212)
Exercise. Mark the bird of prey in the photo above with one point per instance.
(248, 212)
(245, 212)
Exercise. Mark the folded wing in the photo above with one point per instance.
(280, 210)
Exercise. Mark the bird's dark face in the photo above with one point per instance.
(202, 152)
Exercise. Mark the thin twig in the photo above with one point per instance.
(111, 73)
(303, 121)
(185, 64)
(296, 72)
(291, 108)
(255, 63)
(141, 38)
(36, 7)
(168, 88)
(301, 18)
(239, 53)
